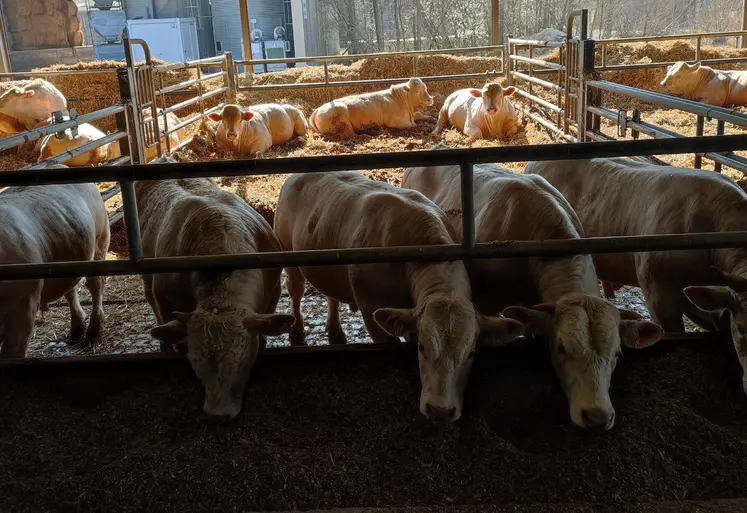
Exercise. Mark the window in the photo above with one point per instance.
(192, 10)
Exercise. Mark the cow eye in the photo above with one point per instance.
(421, 349)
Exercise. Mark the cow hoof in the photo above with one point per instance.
(93, 334)
(166, 347)
(297, 339)
(337, 339)
(76, 335)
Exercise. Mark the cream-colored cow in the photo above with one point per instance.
(707, 85)
(430, 303)
(32, 102)
(480, 114)
(252, 131)
(51, 145)
(559, 296)
(396, 107)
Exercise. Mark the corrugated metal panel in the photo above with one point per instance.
(227, 26)
(138, 9)
(269, 14)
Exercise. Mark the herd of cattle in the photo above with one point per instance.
(447, 309)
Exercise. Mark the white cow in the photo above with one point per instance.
(480, 114)
(624, 197)
(51, 145)
(50, 223)
(222, 317)
(32, 102)
(430, 303)
(586, 332)
(254, 130)
(707, 85)
(396, 107)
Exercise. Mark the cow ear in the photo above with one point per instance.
(535, 321)
(476, 93)
(509, 91)
(710, 299)
(696, 67)
(270, 325)
(246, 116)
(214, 116)
(172, 332)
(398, 322)
(639, 334)
(629, 315)
(497, 332)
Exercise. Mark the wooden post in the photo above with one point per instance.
(495, 22)
(743, 39)
(5, 66)
(246, 31)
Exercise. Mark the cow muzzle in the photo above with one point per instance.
(441, 413)
(223, 411)
(598, 419)
(492, 111)
(231, 136)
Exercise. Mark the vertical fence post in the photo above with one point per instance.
(719, 131)
(123, 122)
(230, 79)
(699, 133)
(697, 49)
(468, 206)
(507, 61)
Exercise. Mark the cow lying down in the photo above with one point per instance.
(50, 223)
(480, 114)
(624, 197)
(396, 107)
(707, 85)
(428, 303)
(220, 317)
(559, 296)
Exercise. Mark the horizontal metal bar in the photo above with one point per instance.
(537, 43)
(191, 64)
(703, 35)
(538, 81)
(548, 125)
(182, 85)
(110, 192)
(118, 161)
(538, 62)
(334, 58)
(377, 81)
(58, 73)
(38, 133)
(729, 115)
(650, 65)
(182, 144)
(362, 161)
(116, 216)
(63, 157)
(191, 120)
(194, 100)
(734, 161)
(440, 253)
(538, 100)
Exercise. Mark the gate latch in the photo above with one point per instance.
(58, 118)
(622, 123)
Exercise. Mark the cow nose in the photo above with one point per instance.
(231, 136)
(597, 418)
(492, 110)
(220, 418)
(440, 413)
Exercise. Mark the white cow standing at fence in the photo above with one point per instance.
(705, 84)
(623, 197)
(480, 114)
(430, 302)
(254, 130)
(396, 107)
(586, 332)
(32, 102)
(221, 317)
(50, 223)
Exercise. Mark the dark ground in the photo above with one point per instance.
(332, 431)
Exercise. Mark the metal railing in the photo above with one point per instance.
(327, 59)
(697, 37)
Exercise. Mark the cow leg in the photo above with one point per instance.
(443, 121)
(77, 317)
(148, 289)
(419, 116)
(18, 329)
(334, 330)
(295, 283)
(473, 132)
(95, 285)
(166, 309)
(510, 130)
(665, 307)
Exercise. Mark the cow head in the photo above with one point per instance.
(14, 93)
(680, 77)
(731, 299)
(586, 334)
(492, 96)
(233, 118)
(445, 330)
(222, 346)
(417, 92)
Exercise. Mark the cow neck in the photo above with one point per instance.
(704, 77)
(439, 279)
(557, 277)
(401, 96)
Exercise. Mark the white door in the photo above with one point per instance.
(162, 36)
